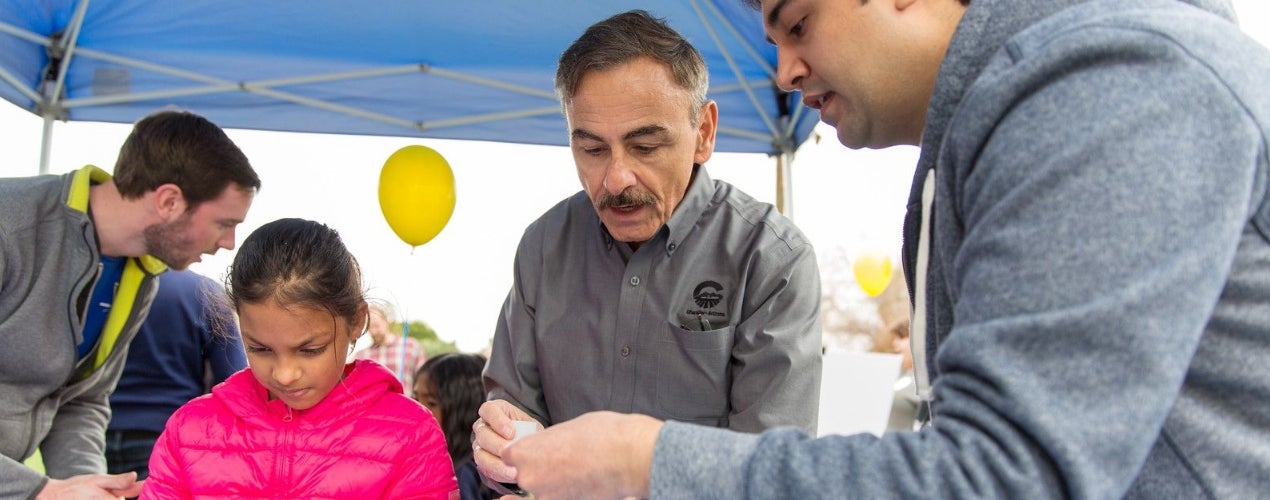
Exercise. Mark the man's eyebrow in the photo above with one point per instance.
(645, 130)
(639, 132)
(775, 14)
(582, 134)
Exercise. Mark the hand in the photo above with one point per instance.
(490, 436)
(597, 455)
(92, 486)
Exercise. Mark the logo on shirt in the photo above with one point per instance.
(708, 294)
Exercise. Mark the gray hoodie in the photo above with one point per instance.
(1088, 237)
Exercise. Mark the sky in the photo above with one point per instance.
(846, 202)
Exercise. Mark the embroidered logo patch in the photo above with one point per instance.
(708, 294)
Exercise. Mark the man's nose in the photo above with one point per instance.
(790, 69)
(618, 176)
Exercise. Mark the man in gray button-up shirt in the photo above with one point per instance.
(654, 290)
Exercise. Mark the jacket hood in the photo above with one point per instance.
(365, 382)
(983, 30)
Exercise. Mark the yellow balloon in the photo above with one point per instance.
(872, 272)
(416, 193)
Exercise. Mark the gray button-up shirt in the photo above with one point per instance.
(715, 320)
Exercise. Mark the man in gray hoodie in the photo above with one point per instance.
(79, 254)
(1088, 246)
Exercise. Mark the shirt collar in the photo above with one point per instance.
(700, 192)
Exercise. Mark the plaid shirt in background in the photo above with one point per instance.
(389, 355)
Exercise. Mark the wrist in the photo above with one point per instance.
(642, 442)
(47, 490)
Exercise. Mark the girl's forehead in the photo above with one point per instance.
(273, 321)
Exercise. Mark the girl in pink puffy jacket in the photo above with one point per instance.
(300, 422)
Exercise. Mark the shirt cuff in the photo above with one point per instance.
(692, 461)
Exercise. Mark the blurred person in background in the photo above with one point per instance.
(401, 355)
(450, 386)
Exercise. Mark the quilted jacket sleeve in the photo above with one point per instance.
(424, 470)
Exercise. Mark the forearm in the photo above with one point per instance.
(511, 373)
(75, 443)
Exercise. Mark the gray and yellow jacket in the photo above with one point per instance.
(49, 263)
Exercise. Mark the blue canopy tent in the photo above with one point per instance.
(452, 70)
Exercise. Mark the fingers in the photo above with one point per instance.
(498, 415)
(484, 438)
(115, 481)
(130, 492)
(492, 433)
(92, 486)
(491, 464)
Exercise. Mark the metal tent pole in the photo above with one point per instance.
(46, 144)
(61, 51)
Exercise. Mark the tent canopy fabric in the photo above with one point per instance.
(450, 70)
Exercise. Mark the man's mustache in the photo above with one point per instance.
(625, 198)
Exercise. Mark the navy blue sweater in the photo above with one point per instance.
(188, 344)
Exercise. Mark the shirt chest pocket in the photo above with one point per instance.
(694, 374)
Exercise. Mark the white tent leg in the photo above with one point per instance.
(785, 185)
(46, 144)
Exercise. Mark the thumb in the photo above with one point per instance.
(130, 492)
(118, 481)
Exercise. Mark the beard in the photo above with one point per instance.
(169, 243)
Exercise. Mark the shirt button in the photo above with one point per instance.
(634, 280)
(672, 247)
(626, 351)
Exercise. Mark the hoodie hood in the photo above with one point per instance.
(983, 30)
(364, 383)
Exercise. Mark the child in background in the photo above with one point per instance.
(450, 386)
(301, 423)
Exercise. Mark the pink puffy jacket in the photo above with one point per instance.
(364, 440)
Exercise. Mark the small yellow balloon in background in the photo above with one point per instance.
(872, 272)
(416, 193)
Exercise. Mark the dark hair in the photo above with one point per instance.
(754, 4)
(297, 262)
(456, 383)
(624, 38)
(182, 148)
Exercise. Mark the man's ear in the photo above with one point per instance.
(706, 130)
(169, 201)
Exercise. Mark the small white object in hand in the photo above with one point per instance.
(524, 428)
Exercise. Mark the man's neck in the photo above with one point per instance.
(119, 232)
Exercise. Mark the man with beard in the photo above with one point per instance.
(655, 289)
(79, 258)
